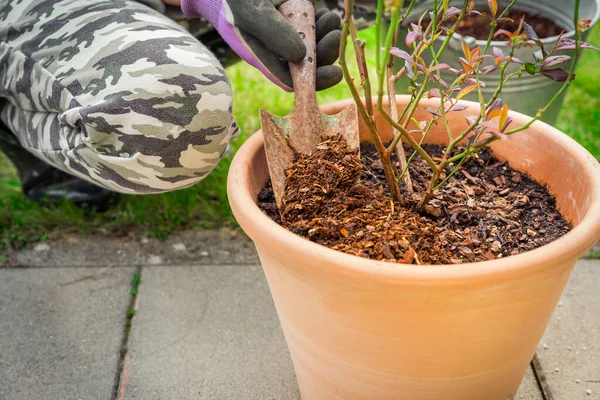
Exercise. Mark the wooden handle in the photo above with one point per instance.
(306, 116)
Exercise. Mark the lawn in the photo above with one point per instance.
(205, 205)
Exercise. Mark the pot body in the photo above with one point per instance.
(362, 329)
(529, 93)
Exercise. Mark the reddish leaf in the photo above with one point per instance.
(502, 32)
(458, 107)
(516, 60)
(584, 24)
(432, 111)
(507, 123)
(439, 67)
(455, 71)
(570, 44)
(555, 60)
(410, 72)
(396, 52)
(434, 93)
(557, 74)
(471, 119)
(440, 81)
(531, 34)
(411, 37)
(474, 81)
(489, 69)
(452, 11)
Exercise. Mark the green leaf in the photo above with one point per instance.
(531, 68)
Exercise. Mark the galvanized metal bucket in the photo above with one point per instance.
(529, 93)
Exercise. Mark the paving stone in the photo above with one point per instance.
(569, 353)
(213, 333)
(529, 389)
(207, 247)
(61, 332)
(206, 332)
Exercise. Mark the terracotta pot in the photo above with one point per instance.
(362, 329)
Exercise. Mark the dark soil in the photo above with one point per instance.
(478, 26)
(486, 211)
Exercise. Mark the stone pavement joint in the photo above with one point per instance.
(541, 379)
(121, 375)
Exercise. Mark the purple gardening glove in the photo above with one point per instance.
(259, 34)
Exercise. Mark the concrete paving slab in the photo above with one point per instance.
(61, 332)
(569, 353)
(212, 332)
(200, 247)
(529, 389)
(206, 332)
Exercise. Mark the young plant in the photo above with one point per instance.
(493, 121)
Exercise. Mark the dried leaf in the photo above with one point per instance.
(344, 232)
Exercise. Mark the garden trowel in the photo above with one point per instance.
(301, 131)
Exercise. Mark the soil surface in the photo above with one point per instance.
(486, 211)
(478, 26)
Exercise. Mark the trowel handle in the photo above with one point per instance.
(301, 15)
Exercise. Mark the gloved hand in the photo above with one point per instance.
(260, 35)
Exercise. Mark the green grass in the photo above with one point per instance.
(205, 205)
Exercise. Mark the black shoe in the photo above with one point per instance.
(43, 183)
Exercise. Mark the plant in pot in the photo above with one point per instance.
(551, 20)
(429, 267)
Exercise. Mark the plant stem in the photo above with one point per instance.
(366, 116)
(378, 33)
(394, 115)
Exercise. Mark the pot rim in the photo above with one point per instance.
(502, 43)
(576, 242)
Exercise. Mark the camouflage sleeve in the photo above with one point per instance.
(114, 92)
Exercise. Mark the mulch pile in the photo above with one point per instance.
(486, 211)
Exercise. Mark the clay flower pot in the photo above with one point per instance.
(362, 329)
